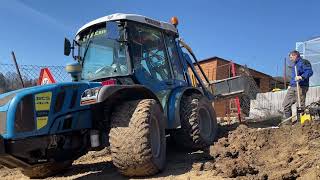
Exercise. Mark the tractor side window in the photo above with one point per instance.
(174, 57)
(149, 55)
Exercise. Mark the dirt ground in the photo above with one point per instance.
(290, 152)
(241, 152)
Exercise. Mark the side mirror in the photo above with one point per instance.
(67, 47)
(112, 30)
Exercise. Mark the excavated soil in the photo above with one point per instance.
(289, 152)
(241, 152)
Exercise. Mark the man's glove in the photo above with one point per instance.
(298, 78)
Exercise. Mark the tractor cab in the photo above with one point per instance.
(125, 46)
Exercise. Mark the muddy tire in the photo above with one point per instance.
(198, 123)
(137, 138)
(46, 170)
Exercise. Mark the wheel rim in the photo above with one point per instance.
(205, 123)
(155, 137)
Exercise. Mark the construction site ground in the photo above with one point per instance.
(241, 152)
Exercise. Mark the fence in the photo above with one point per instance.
(270, 103)
(9, 79)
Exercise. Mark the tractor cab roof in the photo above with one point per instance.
(131, 17)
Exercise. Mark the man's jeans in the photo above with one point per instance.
(291, 98)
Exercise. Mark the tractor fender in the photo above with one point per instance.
(109, 96)
(117, 93)
(174, 104)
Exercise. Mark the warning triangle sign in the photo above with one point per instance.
(45, 77)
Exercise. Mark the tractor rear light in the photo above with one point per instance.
(109, 82)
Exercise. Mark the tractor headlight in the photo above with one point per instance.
(90, 96)
(93, 92)
(3, 122)
(3, 114)
(6, 99)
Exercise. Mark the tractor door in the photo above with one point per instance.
(179, 77)
(150, 60)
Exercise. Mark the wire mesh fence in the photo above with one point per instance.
(9, 78)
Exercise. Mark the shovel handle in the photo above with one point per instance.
(298, 86)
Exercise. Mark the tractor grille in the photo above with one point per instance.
(59, 101)
(73, 99)
(24, 120)
(3, 122)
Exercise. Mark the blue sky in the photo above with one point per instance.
(257, 33)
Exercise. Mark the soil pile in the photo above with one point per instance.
(288, 152)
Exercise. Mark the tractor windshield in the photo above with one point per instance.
(102, 57)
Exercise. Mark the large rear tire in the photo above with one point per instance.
(137, 138)
(198, 123)
(46, 169)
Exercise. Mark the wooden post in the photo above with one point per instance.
(17, 67)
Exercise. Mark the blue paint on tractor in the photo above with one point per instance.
(53, 117)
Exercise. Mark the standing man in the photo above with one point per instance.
(304, 72)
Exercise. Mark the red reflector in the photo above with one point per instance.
(108, 82)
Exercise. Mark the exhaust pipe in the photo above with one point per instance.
(94, 138)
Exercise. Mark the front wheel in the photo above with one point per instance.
(198, 123)
(137, 138)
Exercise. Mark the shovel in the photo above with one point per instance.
(299, 108)
(298, 87)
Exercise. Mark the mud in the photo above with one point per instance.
(241, 152)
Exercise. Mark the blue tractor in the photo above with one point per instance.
(131, 88)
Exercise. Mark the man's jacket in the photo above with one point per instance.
(304, 70)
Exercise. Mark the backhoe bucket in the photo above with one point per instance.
(229, 87)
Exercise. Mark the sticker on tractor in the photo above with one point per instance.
(153, 22)
(41, 122)
(42, 104)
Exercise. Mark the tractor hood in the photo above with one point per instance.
(32, 111)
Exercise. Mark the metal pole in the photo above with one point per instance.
(17, 67)
(275, 84)
(285, 73)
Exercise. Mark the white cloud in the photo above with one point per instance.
(27, 11)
